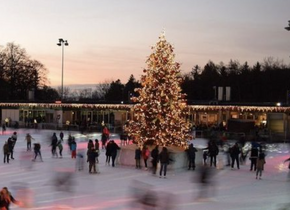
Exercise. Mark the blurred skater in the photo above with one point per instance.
(235, 152)
(80, 160)
(164, 161)
(37, 152)
(105, 136)
(108, 152)
(6, 199)
(28, 140)
(154, 155)
(254, 156)
(73, 149)
(207, 185)
(11, 147)
(6, 152)
(260, 165)
(114, 151)
(92, 160)
(54, 145)
(97, 148)
(138, 157)
(191, 156)
(60, 148)
(145, 156)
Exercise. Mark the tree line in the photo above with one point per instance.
(266, 81)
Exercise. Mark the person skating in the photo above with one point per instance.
(213, 151)
(191, 156)
(73, 149)
(14, 137)
(28, 139)
(6, 152)
(164, 161)
(11, 147)
(254, 156)
(91, 154)
(145, 155)
(260, 165)
(69, 141)
(6, 199)
(90, 144)
(37, 152)
(60, 148)
(154, 155)
(54, 145)
(235, 152)
(114, 151)
(108, 152)
(97, 148)
(138, 157)
(61, 135)
(105, 136)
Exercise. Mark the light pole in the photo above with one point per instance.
(62, 43)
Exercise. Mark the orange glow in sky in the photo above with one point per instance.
(111, 39)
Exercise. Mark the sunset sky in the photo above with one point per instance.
(111, 39)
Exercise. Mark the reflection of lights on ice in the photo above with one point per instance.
(282, 167)
(63, 207)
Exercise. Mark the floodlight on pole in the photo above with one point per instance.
(62, 43)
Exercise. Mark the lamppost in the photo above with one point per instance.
(62, 43)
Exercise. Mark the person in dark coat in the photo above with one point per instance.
(164, 161)
(54, 145)
(114, 150)
(254, 156)
(11, 147)
(138, 157)
(108, 152)
(37, 152)
(69, 141)
(191, 156)
(213, 151)
(154, 155)
(6, 152)
(235, 151)
(92, 159)
(61, 135)
(6, 198)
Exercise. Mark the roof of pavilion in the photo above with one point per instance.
(127, 107)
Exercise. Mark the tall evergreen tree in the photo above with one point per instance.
(161, 109)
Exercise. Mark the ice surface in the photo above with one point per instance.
(55, 184)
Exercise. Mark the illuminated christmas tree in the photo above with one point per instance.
(160, 111)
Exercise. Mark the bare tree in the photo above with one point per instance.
(66, 92)
(102, 89)
(85, 93)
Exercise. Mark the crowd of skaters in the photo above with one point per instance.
(235, 155)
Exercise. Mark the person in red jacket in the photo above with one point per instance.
(145, 155)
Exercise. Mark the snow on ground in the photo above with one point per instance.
(118, 188)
